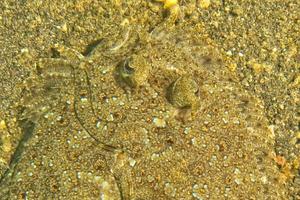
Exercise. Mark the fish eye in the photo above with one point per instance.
(125, 73)
(183, 92)
(127, 69)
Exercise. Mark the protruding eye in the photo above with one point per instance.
(127, 69)
(125, 73)
(184, 92)
(133, 71)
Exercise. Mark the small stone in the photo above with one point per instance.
(197, 196)
(154, 156)
(229, 53)
(59, 118)
(24, 50)
(3, 162)
(170, 190)
(5, 142)
(97, 179)
(259, 68)
(237, 171)
(232, 67)
(98, 124)
(132, 162)
(204, 4)
(225, 121)
(170, 3)
(114, 98)
(2, 125)
(194, 141)
(150, 178)
(64, 28)
(78, 175)
(264, 180)
(110, 118)
(296, 82)
(105, 185)
(271, 129)
(83, 99)
(187, 130)
(252, 178)
(161, 123)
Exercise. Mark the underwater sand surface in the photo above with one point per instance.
(149, 99)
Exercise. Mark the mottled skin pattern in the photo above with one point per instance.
(116, 97)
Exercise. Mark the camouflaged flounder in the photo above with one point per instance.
(165, 120)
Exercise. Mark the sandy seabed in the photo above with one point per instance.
(141, 99)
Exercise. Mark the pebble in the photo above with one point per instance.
(170, 3)
(237, 181)
(204, 4)
(83, 99)
(2, 125)
(132, 162)
(264, 180)
(150, 178)
(24, 50)
(161, 123)
(187, 130)
(64, 28)
(110, 118)
(154, 156)
(170, 190)
(78, 175)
